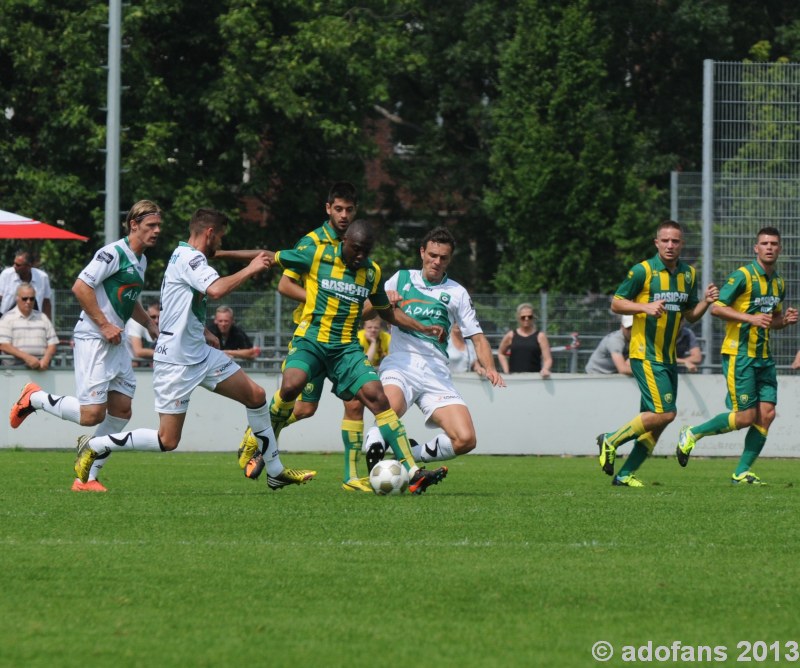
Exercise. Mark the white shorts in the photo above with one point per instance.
(173, 384)
(424, 381)
(100, 368)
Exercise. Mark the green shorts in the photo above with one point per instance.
(750, 380)
(658, 384)
(312, 392)
(345, 365)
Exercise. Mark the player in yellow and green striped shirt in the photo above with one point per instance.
(751, 303)
(339, 280)
(658, 292)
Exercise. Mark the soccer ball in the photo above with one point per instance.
(388, 478)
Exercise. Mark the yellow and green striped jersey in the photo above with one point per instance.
(750, 290)
(335, 294)
(654, 339)
(325, 234)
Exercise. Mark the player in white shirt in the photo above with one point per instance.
(108, 291)
(416, 370)
(187, 355)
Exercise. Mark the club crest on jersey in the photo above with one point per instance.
(668, 397)
(743, 398)
(370, 274)
(444, 298)
(105, 257)
(688, 276)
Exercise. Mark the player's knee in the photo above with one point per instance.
(91, 416)
(463, 446)
(667, 418)
(258, 396)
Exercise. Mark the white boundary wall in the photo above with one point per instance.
(560, 416)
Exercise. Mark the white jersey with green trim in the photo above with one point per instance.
(430, 304)
(181, 339)
(116, 275)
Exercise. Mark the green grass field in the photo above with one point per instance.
(511, 561)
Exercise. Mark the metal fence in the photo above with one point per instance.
(267, 318)
(751, 172)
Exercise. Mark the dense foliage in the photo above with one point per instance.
(542, 132)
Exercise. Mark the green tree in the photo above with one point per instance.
(565, 188)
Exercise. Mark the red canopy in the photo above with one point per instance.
(13, 226)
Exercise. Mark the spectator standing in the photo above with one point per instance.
(23, 271)
(232, 339)
(687, 350)
(525, 349)
(27, 334)
(611, 354)
(140, 343)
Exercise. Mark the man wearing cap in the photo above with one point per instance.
(659, 293)
(611, 354)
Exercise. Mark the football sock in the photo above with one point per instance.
(138, 439)
(373, 436)
(634, 460)
(352, 434)
(66, 408)
(719, 424)
(110, 425)
(627, 432)
(436, 450)
(292, 419)
(394, 435)
(280, 411)
(260, 423)
(753, 444)
(648, 441)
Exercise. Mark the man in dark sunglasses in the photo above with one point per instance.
(26, 334)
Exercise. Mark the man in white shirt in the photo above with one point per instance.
(27, 334)
(23, 272)
(416, 370)
(108, 291)
(187, 356)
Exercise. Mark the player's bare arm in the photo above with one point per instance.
(237, 255)
(763, 320)
(143, 318)
(628, 307)
(784, 319)
(710, 296)
(224, 285)
(291, 289)
(86, 297)
(483, 352)
(397, 317)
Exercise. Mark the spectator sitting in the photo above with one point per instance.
(687, 350)
(611, 354)
(525, 349)
(140, 343)
(374, 340)
(27, 334)
(232, 338)
(23, 272)
(461, 356)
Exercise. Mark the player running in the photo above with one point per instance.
(108, 291)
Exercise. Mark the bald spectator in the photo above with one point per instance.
(611, 354)
(24, 272)
(232, 338)
(27, 334)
